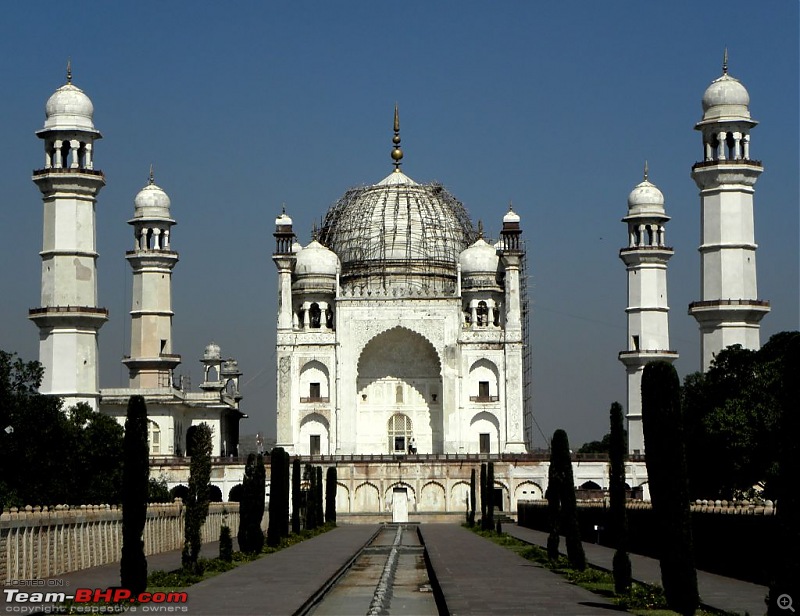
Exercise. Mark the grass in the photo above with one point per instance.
(641, 599)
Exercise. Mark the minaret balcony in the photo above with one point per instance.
(633, 255)
(712, 173)
(640, 357)
(79, 181)
(54, 316)
(719, 310)
(68, 170)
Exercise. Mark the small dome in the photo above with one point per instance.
(646, 197)
(481, 257)
(69, 108)
(511, 216)
(283, 220)
(212, 351)
(151, 202)
(316, 260)
(726, 98)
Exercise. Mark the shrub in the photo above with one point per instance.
(225, 544)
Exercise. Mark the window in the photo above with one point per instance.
(484, 443)
(398, 394)
(635, 343)
(314, 314)
(399, 432)
(483, 389)
(313, 391)
(314, 445)
(154, 437)
(482, 314)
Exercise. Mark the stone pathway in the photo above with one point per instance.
(716, 591)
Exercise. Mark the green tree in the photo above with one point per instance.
(666, 471)
(618, 522)
(484, 498)
(562, 503)
(279, 497)
(330, 495)
(135, 490)
(198, 446)
(225, 544)
(472, 499)
(319, 500)
(490, 496)
(296, 482)
(251, 507)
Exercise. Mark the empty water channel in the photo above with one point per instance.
(388, 576)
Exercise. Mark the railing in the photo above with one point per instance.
(632, 248)
(729, 302)
(66, 170)
(636, 351)
(321, 399)
(484, 398)
(51, 309)
(739, 161)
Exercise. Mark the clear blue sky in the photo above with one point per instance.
(554, 106)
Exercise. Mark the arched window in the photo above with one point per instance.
(314, 315)
(482, 313)
(399, 432)
(154, 437)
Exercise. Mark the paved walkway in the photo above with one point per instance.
(479, 577)
(716, 591)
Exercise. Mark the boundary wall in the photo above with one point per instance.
(42, 542)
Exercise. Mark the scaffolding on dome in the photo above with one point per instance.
(527, 357)
(398, 239)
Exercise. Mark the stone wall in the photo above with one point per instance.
(41, 542)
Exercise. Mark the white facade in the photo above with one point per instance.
(69, 318)
(399, 323)
(729, 311)
(645, 258)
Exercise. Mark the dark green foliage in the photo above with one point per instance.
(733, 417)
(179, 491)
(279, 497)
(786, 575)
(330, 495)
(618, 525)
(37, 467)
(198, 446)
(251, 507)
(319, 500)
(311, 510)
(235, 493)
(490, 496)
(225, 544)
(472, 500)
(135, 489)
(499, 528)
(157, 491)
(562, 504)
(214, 494)
(666, 470)
(483, 497)
(296, 480)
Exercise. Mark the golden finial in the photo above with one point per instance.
(152, 175)
(645, 170)
(397, 153)
(69, 70)
(725, 62)
(480, 229)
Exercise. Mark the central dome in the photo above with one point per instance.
(398, 237)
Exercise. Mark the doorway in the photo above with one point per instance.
(399, 505)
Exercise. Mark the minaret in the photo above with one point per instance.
(151, 361)
(512, 256)
(69, 318)
(729, 312)
(645, 259)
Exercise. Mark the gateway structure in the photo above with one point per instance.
(400, 328)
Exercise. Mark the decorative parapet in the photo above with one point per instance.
(742, 507)
(41, 542)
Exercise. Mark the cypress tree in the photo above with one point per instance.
(553, 496)
(490, 496)
(471, 513)
(311, 493)
(330, 495)
(618, 523)
(285, 487)
(259, 503)
(251, 509)
(296, 495)
(483, 497)
(786, 575)
(569, 507)
(319, 500)
(199, 448)
(278, 508)
(225, 544)
(666, 471)
(135, 488)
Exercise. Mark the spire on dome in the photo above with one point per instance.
(69, 70)
(152, 176)
(397, 153)
(480, 229)
(645, 170)
(725, 62)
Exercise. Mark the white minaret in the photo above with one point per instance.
(645, 259)
(151, 361)
(69, 317)
(729, 312)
